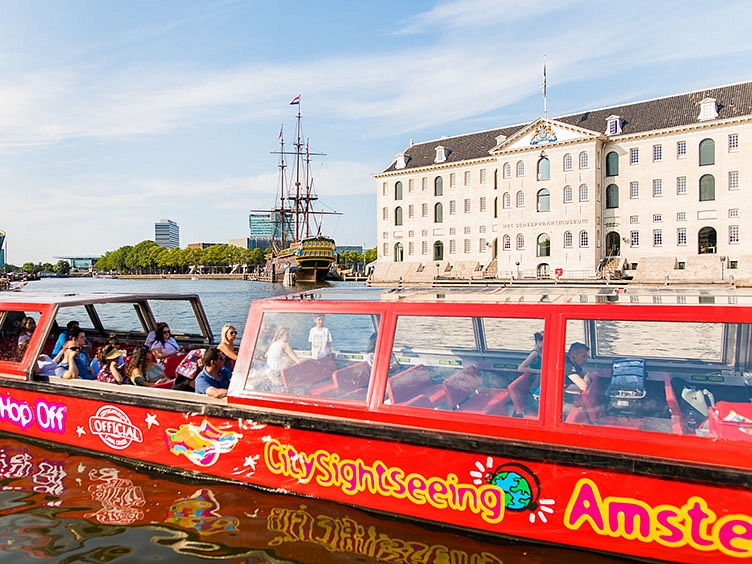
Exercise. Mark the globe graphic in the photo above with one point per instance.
(517, 491)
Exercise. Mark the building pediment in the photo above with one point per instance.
(543, 132)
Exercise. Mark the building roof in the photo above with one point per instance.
(661, 113)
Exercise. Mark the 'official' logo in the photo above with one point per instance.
(114, 427)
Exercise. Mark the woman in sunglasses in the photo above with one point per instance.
(164, 344)
(227, 345)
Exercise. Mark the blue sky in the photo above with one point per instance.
(114, 115)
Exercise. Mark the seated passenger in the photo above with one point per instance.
(280, 354)
(576, 380)
(45, 366)
(227, 345)
(320, 338)
(214, 379)
(72, 361)
(64, 336)
(142, 370)
(532, 365)
(27, 328)
(164, 344)
(109, 356)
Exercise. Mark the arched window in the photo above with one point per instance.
(568, 194)
(567, 162)
(584, 239)
(438, 250)
(506, 243)
(398, 216)
(584, 193)
(520, 241)
(506, 200)
(496, 207)
(507, 170)
(398, 191)
(707, 152)
(612, 164)
(438, 186)
(399, 253)
(544, 169)
(496, 179)
(584, 162)
(567, 239)
(612, 196)
(707, 241)
(543, 200)
(520, 199)
(544, 245)
(520, 168)
(438, 213)
(707, 188)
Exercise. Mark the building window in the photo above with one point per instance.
(520, 241)
(452, 246)
(612, 164)
(707, 188)
(657, 188)
(657, 218)
(567, 162)
(399, 253)
(467, 205)
(385, 214)
(398, 191)
(385, 249)
(411, 248)
(707, 152)
(452, 207)
(634, 190)
(496, 207)
(424, 184)
(681, 216)
(483, 176)
(507, 170)
(543, 203)
(544, 245)
(520, 168)
(506, 201)
(496, 179)
(467, 178)
(467, 246)
(424, 210)
(424, 247)
(681, 149)
(438, 213)
(568, 194)
(733, 212)
(453, 180)
(520, 199)
(482, 245)
(384, 189)
(634, 156)
(398, 216)
(544, 169)
(410, 211)
(657, 237)
(567, 239)
(438, 250)
(584, 162)
(681, 185)
(411, 185)
(634, 219)
(681, 237)
(506, 243)
(733, 234)
(733, 142)
(634, 238)
(657, 153)
(733, 180)
(584, 239)
(483, 204)
(612, 196)
(584, 193)
(438, 186)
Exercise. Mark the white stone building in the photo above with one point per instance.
(655, 190)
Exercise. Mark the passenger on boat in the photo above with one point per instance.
(111, 340)
(109, 357)
(214, 379)
(576, 380)
(320, 338)
(164, 344)
(72, 361)
(532, 365)
(227, 345)
(280, 354)
(64, 336)
(28, 324)
(265, 339)
(142, 370)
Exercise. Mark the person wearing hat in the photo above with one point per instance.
(109, 357)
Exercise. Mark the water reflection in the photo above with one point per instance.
(75, 508)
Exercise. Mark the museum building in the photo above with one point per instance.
(653, 191)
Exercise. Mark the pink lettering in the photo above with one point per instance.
(735, 535)
(632, 516)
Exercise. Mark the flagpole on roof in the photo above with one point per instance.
(543, 87)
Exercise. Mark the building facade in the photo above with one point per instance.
(167, 234)
(653, 190)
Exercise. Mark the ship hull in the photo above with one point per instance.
(308, 259)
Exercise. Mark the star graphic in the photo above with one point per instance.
(251, 461)
(151, 419)
(80, 431)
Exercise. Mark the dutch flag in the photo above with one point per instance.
(295, 100)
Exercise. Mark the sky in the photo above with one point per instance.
(114, 115)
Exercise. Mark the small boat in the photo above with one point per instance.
(616, 419)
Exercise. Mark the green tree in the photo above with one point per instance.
(62, 267)
(370, 255)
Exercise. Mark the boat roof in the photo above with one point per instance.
(73, 299)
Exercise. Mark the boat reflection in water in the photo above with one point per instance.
(71, 508)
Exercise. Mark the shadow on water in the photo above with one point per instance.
(73, 508)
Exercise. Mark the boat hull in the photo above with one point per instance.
(309, 259)
(461, 484)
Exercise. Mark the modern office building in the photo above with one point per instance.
(655, 190)
(167, 234)
(266, 227)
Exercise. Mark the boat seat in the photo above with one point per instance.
(464, 392)
(413, 387)
(167, 385)
(518, 392)
(350, 382)
(678, 423)
(171, 363)
(300, 378)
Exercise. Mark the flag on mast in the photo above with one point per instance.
(280, 131)
(295, 100)
(543, 88)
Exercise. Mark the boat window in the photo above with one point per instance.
(178, 314)
(468, 365)
(682, 378)
(318, 355)
(16, 330)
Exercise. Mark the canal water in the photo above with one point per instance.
(61, 506)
